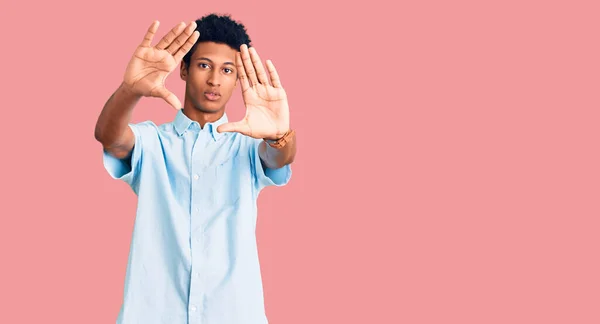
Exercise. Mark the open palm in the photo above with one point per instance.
(267, 110)
(150, 66)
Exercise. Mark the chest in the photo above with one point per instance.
(199, 168)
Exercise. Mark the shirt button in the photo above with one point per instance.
(193, 308)
(195, 177)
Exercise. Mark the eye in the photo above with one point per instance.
(227, 70)
(203, 65)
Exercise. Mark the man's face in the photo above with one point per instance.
(211, 76)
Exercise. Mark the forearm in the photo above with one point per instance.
(112, 128)
(275, 158)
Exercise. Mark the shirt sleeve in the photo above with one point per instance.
(263, 176)
(128, 170)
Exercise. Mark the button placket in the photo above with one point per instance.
(196, 276)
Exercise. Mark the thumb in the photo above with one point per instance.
(169, 97)
(239, 126)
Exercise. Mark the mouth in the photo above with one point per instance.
(212, 96)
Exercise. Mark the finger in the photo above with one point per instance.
(187, 46)
(274, 75)
(239, 127)
(168, 38)
(248, 67)
(150, 34)
(168, 96)
(258, 66)
(182, 38)
(241, 73)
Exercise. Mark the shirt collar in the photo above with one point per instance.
(183, 122)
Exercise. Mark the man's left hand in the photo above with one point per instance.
(267, 112)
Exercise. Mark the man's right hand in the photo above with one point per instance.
(150, 65)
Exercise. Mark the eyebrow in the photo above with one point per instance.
(207, 59)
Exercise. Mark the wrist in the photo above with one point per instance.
(276, 137)
(280, 141)
(128, 90)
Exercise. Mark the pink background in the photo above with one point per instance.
(448, 165)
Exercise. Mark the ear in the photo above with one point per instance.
(183, 71)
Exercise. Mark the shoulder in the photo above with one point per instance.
(151, 126)
(150, 129)
(144, 128)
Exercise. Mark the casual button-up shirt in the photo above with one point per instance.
(193, 256)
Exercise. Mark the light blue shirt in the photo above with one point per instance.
(193, 257)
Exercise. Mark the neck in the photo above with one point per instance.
(202, 117)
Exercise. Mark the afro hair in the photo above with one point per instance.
(219, 29)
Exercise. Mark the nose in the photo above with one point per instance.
(213, 79)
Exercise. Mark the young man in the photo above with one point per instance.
(193, 256)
